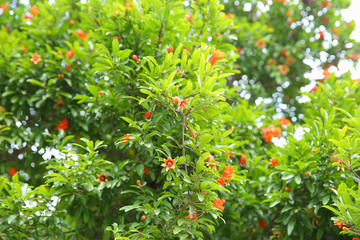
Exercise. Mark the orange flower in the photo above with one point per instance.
(135, 57)
(34, 10)
(12, 171)
(345, 229)
(314, 89)
(189, 17)
(326, 73)
(262, 224)
(147, 114)
(72, 22)
(216, 55)
(183, 104)
(283, 69)
(219, 204)
(143, 217)
(212, 159)
(102, 177)
(271, 62)
(27, 17)
(353, 57)
(289, 61)
(24, 48)
(100, 93)
(313, 150)
(277, 132)
(4, 6)
(35, 58)
(325, 19)
(221, 181)
(62, 125)
(128, 6)
(81, 34)
(335, 31)
(169, 164)
(146, 171)
(176, 100)
(267, 137)
(284, 52)
(322, 35)
(326, 4)
(288, 13)
(138, 182)
(260, 44)
(229, 155)
(242, 159)
(170, 49)
(126, 138)
(228, 172)
(287, 189)
(179, 71)
(274, 162)
(284, 122)
(67, 67)
(307, 174)
(70, 53)
(229, 16)
(240, 51)
(194, 217)
(271, 132)
(355, 238)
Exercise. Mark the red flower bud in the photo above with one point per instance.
(147, 114)
(135, 58)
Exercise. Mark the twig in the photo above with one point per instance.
(159, 37)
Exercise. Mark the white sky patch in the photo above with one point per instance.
(299, 132)
(352, 13)
(279, 141)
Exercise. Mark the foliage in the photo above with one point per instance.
(137, 120)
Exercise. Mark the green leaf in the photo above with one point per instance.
(177, 229)
(298, 179)
(93, 89)
(129, 208)
(115, 47)
(291, 225)
(204, 139)
(18, 189)
(274, 202)
(131, 122)
(36, 82)
(200, 165)
(310, 186)
(11, 218)
(326, 199)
